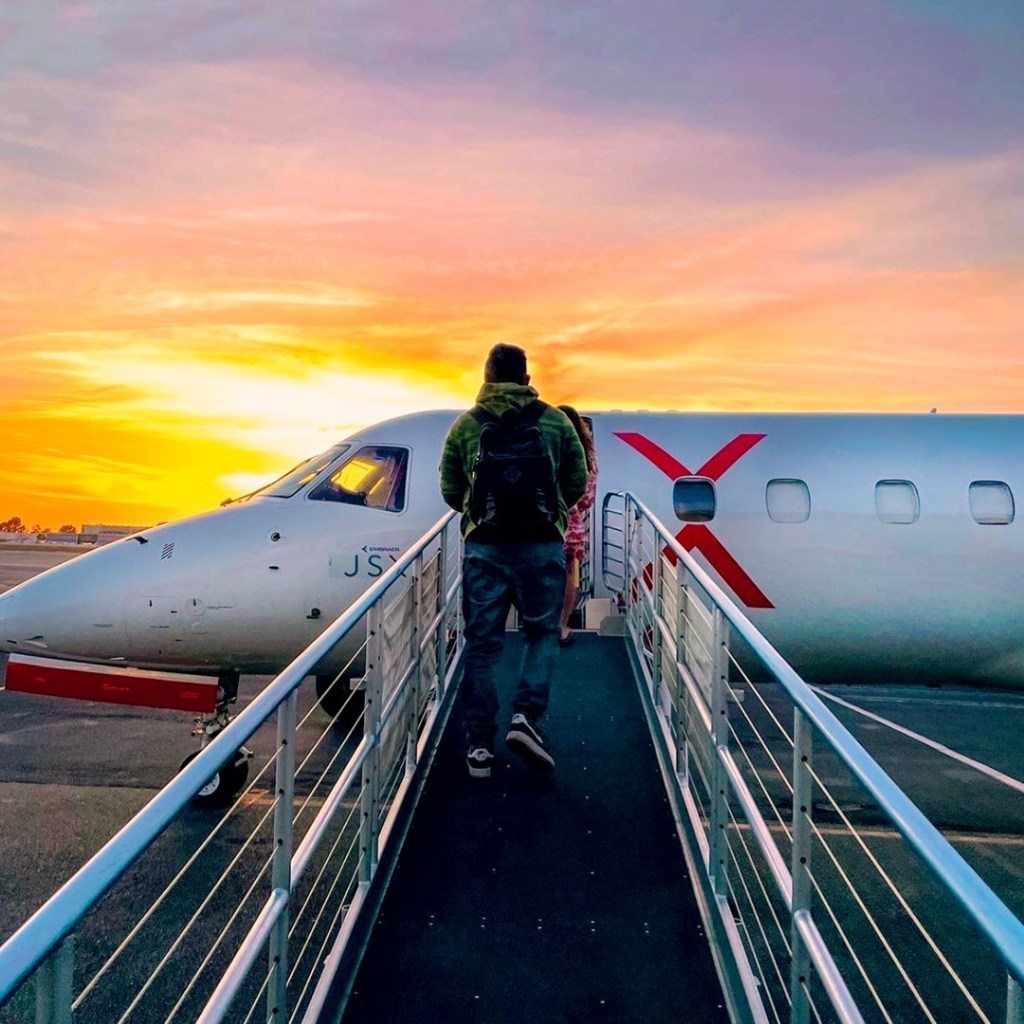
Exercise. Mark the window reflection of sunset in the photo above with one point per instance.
(353, 475)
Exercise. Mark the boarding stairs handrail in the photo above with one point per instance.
(48, 932)
(641, 575)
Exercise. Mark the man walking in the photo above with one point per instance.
(513, 466)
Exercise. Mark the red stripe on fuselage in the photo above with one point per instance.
(728, 456)
(668, 464)
(135, 689)
(697, 537)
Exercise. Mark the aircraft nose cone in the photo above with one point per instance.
(3, 623)
(18, 633)
(71, 610)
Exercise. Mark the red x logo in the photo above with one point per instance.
(696, 535)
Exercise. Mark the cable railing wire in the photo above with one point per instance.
(227, 816)
(300, 999)
(418, 701)
(848, 944)
(901, 899)
(679, 623)
(872, 921)
(207, 900)
(220, 938)
(753, 906)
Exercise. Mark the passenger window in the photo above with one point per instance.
(788, 501)
(991, 502)
(897, 501)
(373, 477)
(693, 498)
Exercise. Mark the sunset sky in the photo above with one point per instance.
(232, 231)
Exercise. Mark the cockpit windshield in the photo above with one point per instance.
(295, 479)
(373, 477)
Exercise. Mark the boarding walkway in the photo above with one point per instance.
(714, 842)
(531, 898)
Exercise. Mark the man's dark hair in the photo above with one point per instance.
(506, 364)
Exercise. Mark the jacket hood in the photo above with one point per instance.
(501, 398)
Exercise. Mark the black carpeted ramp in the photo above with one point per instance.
(541, 900)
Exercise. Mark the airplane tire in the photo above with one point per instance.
(224, 784)
(337, 700)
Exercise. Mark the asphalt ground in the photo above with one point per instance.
(72, 774)
(19, 562)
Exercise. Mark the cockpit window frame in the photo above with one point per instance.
(343, 497)
(328, 459)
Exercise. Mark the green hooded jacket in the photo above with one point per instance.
(560, 438)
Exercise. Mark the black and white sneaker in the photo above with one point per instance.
(479, 761)
(524, 740)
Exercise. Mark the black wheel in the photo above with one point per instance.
(225, 783)
(338, 700)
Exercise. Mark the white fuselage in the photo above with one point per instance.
(851, 591)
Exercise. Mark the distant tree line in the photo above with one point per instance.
(15, 525)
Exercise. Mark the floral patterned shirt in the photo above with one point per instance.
(576, 531)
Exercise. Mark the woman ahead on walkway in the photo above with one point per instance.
(576, 531)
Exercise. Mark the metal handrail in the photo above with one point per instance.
(1005, 932)
(37, 938)
(990, 914)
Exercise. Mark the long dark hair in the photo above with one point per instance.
(584, 434)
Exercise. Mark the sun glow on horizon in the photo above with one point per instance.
(215, 268)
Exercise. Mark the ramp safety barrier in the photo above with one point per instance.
(260, 904)
(827, 894)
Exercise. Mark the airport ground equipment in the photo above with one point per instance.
(826, 895)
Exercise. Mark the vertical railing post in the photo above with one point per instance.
(370, 825)
(718, 841)
(442, 610)
(630, 581)
(636, 561)
(416, 682)
(281, 870)
(801, 865)
(54, 983)
(1014, 1001)
(682, 691)
(657, 611)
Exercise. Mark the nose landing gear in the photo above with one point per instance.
(231, 776)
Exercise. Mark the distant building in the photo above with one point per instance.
(104, 533)
(116, 531)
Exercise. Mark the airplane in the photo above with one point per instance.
(864, 547)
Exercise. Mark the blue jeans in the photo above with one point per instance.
(530, 575)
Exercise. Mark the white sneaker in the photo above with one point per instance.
(523, 739)
(479, 761)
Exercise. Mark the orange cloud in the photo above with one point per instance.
(247, 262)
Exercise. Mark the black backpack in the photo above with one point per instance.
(513, 483)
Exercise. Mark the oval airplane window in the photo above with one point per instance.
(991, 502)
(897, 501)
(693, 498)
(788, 501)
